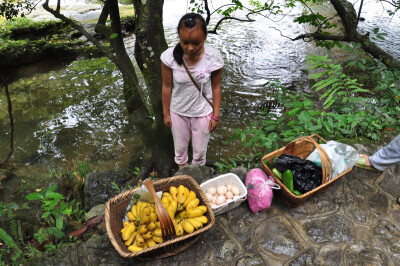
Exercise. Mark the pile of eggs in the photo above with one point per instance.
(222, 194)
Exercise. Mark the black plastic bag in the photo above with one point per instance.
(306, 174)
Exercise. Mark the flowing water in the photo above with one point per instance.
(76, 112)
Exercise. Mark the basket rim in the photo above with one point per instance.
(114, 200)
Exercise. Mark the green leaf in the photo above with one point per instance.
(34, 196)
(360, 65)
(54, 195)
(242, 137)
(325, 83)
(293, 112)
(59, 222)
(113, 35)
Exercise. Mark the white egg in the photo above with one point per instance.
(211, 191)
(220, 200)
(229, 187)
(228, 200)
(221, 190)
(235, 190)
(229, 195)
(214, 199)
(209, 196)
(235, 197)
(213, 205)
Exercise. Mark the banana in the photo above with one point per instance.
(167, 195)
(153, 217)
(126, 223)
(145, 211)
(157, 232)
(190, 196)
(143, 207)
(157, 239)
(192, 204)
(149, 234)
(172, 208)
(179, 229)
(194, 213)
(158, 225)
(165, 202)
(196, 224)
(174, 192)
(152, 225)
(188, 227)
(139, 240)
(142, 229)
(134, 248)
(128, 232)
(182, 214)
(138, 207)
(182, 194)
(152, 208)
(203, 219)
(130, 216)
(202, 208)
(150, 243)
(130, 240)
(134, 211)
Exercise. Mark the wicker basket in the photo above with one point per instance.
(302, 147)
(114, 214)
(226, 179)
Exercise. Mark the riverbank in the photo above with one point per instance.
(355, 222)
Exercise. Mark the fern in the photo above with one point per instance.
(20, 235)
(10, 242)
(332, 81)
(13, 228)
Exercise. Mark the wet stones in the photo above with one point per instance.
(273, 235)
(390, 184)
(378, 204)
(365, 255)
(331, 255)
(334, 228)
(388, 234)
(250, 260)
(307, 258)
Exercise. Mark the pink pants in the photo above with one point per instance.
(182, 128)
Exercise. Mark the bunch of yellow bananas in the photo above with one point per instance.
(142, 230)
(183, 208)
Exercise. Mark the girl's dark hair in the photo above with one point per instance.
(189, 20)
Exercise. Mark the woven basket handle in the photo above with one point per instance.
(326, 163)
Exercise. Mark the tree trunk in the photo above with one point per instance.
(157, 139)
(150, 43)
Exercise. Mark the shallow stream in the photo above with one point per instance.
(76, 112)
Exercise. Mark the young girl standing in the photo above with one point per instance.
(186, 109)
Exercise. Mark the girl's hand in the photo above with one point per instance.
(213, 124)
(167, 120)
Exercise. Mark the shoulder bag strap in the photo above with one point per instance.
(196, 85)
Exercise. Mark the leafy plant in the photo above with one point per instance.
(55, 210)
(14, 238)
(336, 84)
(348, 111)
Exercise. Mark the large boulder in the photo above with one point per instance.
(99, 187)
(200, 173)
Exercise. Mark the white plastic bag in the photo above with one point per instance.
(342, 156)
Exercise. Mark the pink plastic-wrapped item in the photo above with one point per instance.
(259, 190)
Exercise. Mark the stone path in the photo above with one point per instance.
(356, 222)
